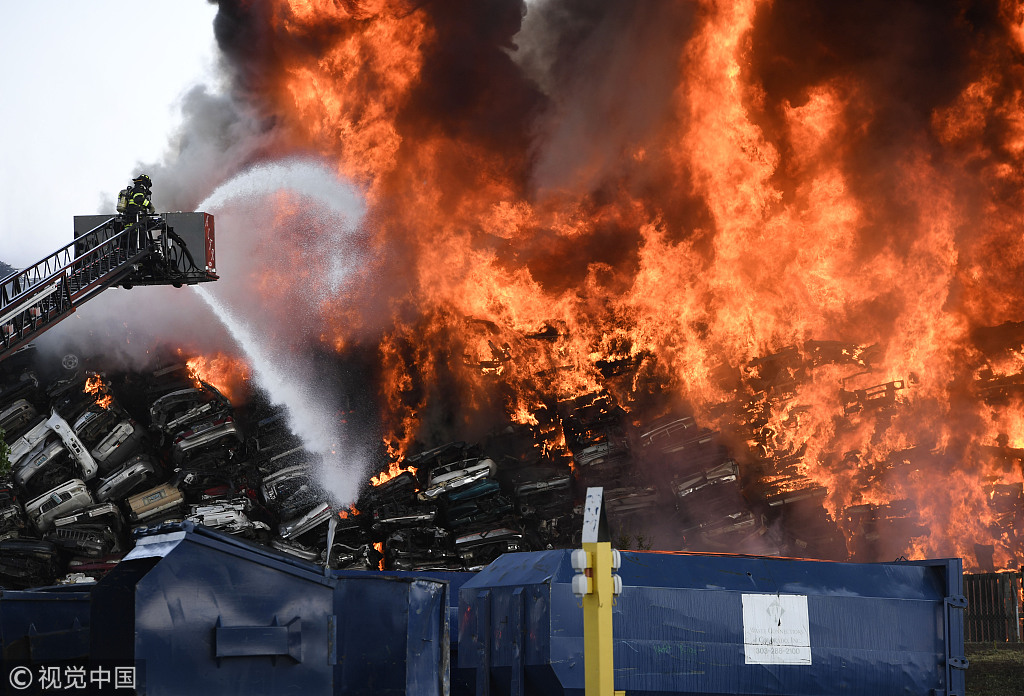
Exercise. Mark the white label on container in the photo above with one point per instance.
(776, 630)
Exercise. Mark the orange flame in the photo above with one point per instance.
(379, 547)
(227, 373)
(662, 247)
(394, 469)
(95, 385)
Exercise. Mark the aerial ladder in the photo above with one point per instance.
(163, 249)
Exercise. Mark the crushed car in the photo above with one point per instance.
(62, 500)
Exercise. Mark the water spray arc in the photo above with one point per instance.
(307, 411)
(285, 379)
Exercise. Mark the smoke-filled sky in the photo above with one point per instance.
(89, 89)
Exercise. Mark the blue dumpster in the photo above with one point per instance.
(201, 612)
(393, 638)
(461, 678)
(48, 624)
(707, 624)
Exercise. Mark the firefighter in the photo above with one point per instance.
(138, 205)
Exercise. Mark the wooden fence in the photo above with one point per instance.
(994, 611)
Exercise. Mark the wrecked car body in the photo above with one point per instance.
(219, 434)
(57, 502)
(455, 475)
(12, 515)
(316, 516)
(156, 504)
(27, 562)
(137, 474)
(176, 410)
(119, 444)
(15, 417)
(228, 516)
(478, 549)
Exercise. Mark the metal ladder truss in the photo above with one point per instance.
(34, 299)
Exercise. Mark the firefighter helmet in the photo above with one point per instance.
(144, 180)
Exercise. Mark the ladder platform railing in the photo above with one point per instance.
(34, 299)
(18, 284)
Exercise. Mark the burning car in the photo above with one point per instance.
(596, 436)
(94, 424)
(348, 557)
(400, 489)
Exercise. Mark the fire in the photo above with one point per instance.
(227, 373)
(394, 469)
(802, 236)
(95, 385)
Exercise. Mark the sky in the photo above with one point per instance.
(87, 91)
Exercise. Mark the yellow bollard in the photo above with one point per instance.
(599, 668)
(596, 585)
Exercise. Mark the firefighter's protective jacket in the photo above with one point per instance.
(138, 201)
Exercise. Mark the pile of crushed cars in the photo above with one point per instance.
(93, 461)
(83, 471)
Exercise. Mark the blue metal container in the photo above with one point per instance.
(201, 612)
(49, 624)
(462, 679)
(704, 624)
(393, 638)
